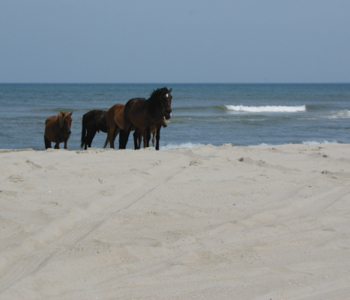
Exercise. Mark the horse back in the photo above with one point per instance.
(102, 121)
(136, 113)
(116, 114)
(51, 128)
(49, 121)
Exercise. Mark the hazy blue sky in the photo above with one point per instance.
(180, 41)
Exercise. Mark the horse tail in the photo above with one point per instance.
(83, 133)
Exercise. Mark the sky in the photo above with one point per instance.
(174, 41)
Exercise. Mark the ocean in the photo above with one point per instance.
(240, 114)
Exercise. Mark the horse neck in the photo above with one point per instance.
(154, 105)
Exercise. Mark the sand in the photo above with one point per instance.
(228, 222)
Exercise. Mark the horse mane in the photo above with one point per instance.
(156, 93)
(60, 118)
(153, 99)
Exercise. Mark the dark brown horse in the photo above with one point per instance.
(57, 129)
(93, 121)
(143, 114)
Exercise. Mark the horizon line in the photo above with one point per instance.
(183, 83)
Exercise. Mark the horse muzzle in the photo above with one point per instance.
(168, 114)
(68, 132)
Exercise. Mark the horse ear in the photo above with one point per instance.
(71, 113)
(170, 90)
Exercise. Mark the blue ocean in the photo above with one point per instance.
(241, 114)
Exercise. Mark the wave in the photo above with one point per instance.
(192, 145)
(341, 114)
(275, 109)
(317, 143)
(308, 143)
(176, 146)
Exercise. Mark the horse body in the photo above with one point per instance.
(93, 121)
(57, 129)
(115, 122)
(144, 114)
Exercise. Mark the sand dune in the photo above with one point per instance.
(259, 222)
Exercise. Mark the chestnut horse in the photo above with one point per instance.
(143, 114)
(57, 129)
(93, 121)
(115, 123)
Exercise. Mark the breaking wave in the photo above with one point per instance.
(318, 142)
(341, 114)
(273, 109)
(176, 146)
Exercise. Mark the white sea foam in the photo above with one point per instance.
(256, 109)
(176, 146)
(341, 114)
(317, 143)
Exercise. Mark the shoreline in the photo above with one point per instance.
(228, 222)
(186, 145)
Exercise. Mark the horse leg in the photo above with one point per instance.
(148, 136)
(65, 144)
(57, 146)
(158, 138)
(107, 136)
(115, 132)
(144, 137)
(153, 138)
(111, 135)
(47, 142)
(123, 138)
(136, 139)
(106, 142)
(138, 134)
(140, 137)
(83, 134)
(89, 137)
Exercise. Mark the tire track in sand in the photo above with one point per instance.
(32, 263)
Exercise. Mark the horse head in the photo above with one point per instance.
(65, 120)
(167, 103)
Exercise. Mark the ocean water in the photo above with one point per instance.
(241, 114)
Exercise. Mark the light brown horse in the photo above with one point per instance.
(57, 129)
(143, 114)
(153, 131)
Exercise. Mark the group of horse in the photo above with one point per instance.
(143, 116)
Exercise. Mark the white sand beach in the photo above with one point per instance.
(228, 222)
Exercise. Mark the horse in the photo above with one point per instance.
(153, 131)
(57, 129)
(93, 121)
(143, 114)
(115, 122)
